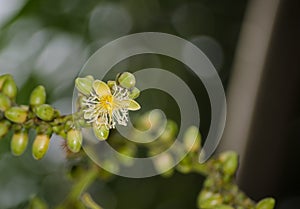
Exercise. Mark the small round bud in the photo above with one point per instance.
(84, 85)
(207, 199)
(56, 129)
(40, 146)
(16, 114)
(229, 160)
(170, 131)
(3, 78)
(126, 80)
(9, 88)
(192, 139)
(267, 203)
(111, 84)
(5, 102)
(163, 163)
(126, 154)
(101, 132)
(134, 93)
(4, 128)
(45, 112)
(38, 96)
(185, 165)
(74, 140)
(19, 143)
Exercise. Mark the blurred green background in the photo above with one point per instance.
(48, 41)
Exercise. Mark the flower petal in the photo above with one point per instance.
(84, 85)
(101, 88)
(133, 105)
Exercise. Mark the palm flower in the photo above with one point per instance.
(103, 106)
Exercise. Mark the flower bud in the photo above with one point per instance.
(5, 102)
(185, 165)
(111, 84)
(100, 132)
(40, 146)
(45, 112)
(84, 85)
(134, 93)
(19, 143)
(56, 129)
(207, 199)
(163, 162)
(126, 80)
(229, 160)
(10, 88)
(4, 128)
(16, 114)
(3, 78)
(38, 96)
(267, 203)
(126, 154)
(192, 139)
(170, 131)
(74, 140)
(223, 207)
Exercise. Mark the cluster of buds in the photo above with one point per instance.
(101, 106)
(104, 105)
(38, 115)
(219, 189)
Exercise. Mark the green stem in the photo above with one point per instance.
(89, 202)
(81, 185)
(88, 178)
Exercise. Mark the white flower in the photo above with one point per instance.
(106, 107)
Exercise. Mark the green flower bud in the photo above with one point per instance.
(267, 203)
(209, 182)
(68, 125)
(152, 119)
(170, 131)
(192, 139)
(111, 84)
(126, 80)
(101, 133)
(38, 96)
(16, 114)
(4, 128)
(3, 78)
(223, 207)
(40, 146)
(5, 102)
(45, 112)
(9, 88)
(163, 163)
(19, 143)
(126, 154)
(134, 93)
(56, 129)
(84, 85)
(74, 140)
(207, 199)
(63, 134)
(229, 160)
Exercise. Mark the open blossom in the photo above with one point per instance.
(108, 107)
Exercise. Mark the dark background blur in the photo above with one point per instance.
(252, 44)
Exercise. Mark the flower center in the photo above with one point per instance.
(106, 102)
